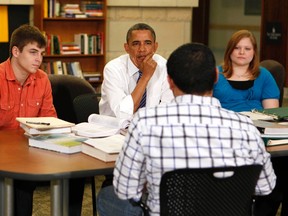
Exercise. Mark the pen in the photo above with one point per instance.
(38, 123)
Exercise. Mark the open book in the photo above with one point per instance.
(100, 126)
(255, 115)
(44, 125)
(105, 149)
(276, 114)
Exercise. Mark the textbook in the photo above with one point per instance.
(106, 149)
(272, 142)
(100, 126)
(277, 148)
(273, 128)
(44, 125)
(63, 143)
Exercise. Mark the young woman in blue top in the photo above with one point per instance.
(243, 85)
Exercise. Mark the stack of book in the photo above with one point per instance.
(92, 77)
(69, 48)
(72, 11)
(92, 8)
(51, 133)
(44, 125)
(272, 124)
(106, 136)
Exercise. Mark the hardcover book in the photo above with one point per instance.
(272, 128)
(44, 125)
(63, 143)
(106, 149)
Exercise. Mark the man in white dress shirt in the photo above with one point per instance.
(121, 91)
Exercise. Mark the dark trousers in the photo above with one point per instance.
(268, 205)
(23, 196)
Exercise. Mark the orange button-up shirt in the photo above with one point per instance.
(33, 99)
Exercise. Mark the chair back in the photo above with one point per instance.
(85, 105)
(199, 192)
(278, 72)
(65, 88)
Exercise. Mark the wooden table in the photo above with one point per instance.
(19, 161)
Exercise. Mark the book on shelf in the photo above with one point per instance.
(92, 8)
(73, 68)
(44, 125)
(72, 11)
(273, 128)
(76, 69)
(101, 126)
(57, 45)
(70, 48)
(92, 77)
(82, 40)
(53, 45)
(63, 143)
(106, 149)
(57, 67)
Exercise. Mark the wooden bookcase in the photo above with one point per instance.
(66, 28)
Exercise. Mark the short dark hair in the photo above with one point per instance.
(192, 68)
(24, 35)
(140, 26)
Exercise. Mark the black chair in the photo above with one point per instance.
(199, 192)
(85, 105)
(65, 88)
(278, 72)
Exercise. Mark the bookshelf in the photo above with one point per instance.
(67, 27)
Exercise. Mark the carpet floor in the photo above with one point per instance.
(41, 202)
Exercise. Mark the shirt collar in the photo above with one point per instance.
(195, 99)
(11, 76)
(132, 69)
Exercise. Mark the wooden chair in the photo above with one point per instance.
(278, 72)
(199, 192)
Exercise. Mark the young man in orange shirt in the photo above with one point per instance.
(25, 91)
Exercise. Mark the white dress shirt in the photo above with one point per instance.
(120, 77)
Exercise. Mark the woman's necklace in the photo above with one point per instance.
(244, 75)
